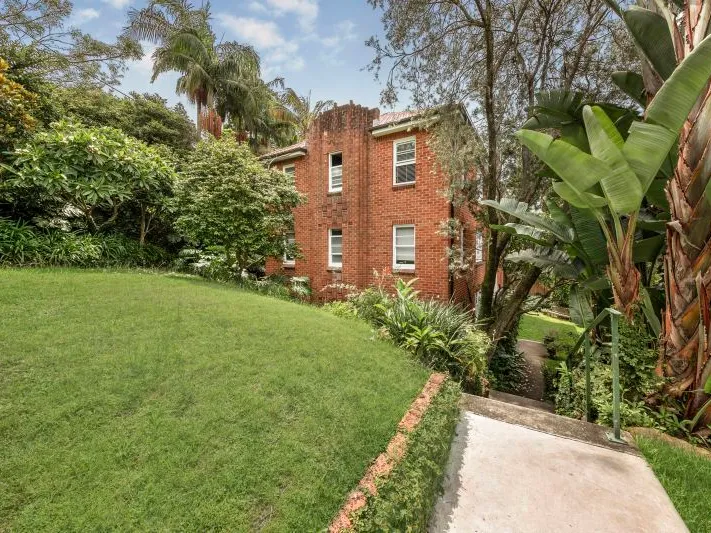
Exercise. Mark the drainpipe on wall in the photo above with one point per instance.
(451, 243)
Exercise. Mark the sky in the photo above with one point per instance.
(315, 45)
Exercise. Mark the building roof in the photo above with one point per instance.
(286, 150)
(394, 117)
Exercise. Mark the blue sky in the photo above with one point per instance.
(316, 45)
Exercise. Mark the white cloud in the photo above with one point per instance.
(333, 45)
(118, 4)
(305, 10)
(82, 16)
(278, 53)
(145, 64)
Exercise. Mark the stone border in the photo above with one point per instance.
(386, 461)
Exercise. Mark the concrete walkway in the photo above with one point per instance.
(519, 470)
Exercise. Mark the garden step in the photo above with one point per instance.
(521, 401)
(518, 470)
(546, 422)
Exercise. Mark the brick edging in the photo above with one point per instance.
(386, 461)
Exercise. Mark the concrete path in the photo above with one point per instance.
(517, 470)
(536, 356)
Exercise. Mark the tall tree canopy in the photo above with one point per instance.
(62, 53)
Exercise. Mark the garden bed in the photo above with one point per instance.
(144, 401)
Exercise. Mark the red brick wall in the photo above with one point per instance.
(367, 208)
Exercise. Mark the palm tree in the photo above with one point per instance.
(186, 44)
(666, 35)
(302, 111)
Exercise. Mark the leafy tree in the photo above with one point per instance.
(17, 107)
(146, 117)
(228, 198)
(63, 54)
(303, 111)
(91, 173)
(187, 44)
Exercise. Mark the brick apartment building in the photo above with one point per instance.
(374, 203)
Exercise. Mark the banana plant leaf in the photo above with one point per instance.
(520, 210)
(528, 233)
(651, 35)
(632, 84)
(648, 250)
(621, 186)
(592, 240)
(580, 311)
(547, 259)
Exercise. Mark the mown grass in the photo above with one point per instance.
(686, 477)
(535, 326)
(143, 401)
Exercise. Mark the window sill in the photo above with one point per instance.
(403, 270)
(334, 193)
(290, 266)
(334, 269)
(408, 185)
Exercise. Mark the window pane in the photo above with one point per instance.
(405, 155)
(336, 160)
(290, 170)
(408, 146)
(405, 255)
(405, 173)
(405, 236)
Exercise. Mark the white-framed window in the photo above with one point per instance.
(404, 247)
(479, 247)
(461, 242)
(335, 248)
(335, 172)
(289, 259)
(289, 169)
(404, 161)
(477, 300)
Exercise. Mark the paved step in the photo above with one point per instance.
(521, 401)
(546, 422)
(518, 470)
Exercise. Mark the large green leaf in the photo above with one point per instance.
(649, 312)
(632, 84)
(672, 104)
(651, 34)
(582, 200)
(520, 210)
(707, 387)
(647, 250)
(590, 235)
(621, 186)
(580, 311)
(579, 170)
(547, 259)
(529, 233)
(646, 148)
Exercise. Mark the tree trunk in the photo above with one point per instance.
(512, 309)
(686, 345)
(142, 236)
(198, 104)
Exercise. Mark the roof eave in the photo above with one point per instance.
(406, 125)
(301, 152)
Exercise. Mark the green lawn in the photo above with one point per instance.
(144, 401)
(687, 479)
(534, 326)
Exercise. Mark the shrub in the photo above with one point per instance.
(441, 335)
(228, 199)
(559, 345)
(406, 498)
(342, 309)
(91, 173)
(508, 369)
(638, 381)
(25, 245)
